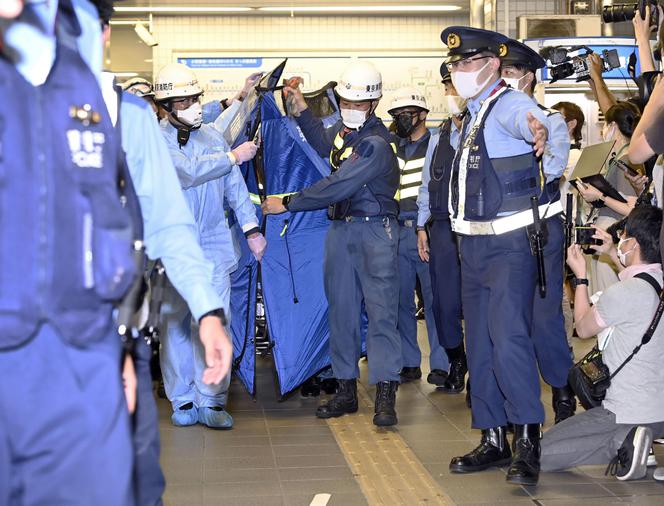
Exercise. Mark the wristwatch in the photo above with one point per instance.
(285, 201)
(580, 281)
(219, 312)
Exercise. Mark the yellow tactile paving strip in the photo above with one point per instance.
(386, 468)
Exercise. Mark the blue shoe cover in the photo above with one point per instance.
(185, 417)
(215, 417)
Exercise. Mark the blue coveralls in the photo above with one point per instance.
(548, 332)
(411, 157)
(443, 252)
(207, 177)
(498, 272)
(361, 245)
(64, 258)
(170, 235)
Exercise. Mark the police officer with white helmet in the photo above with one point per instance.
(361, 247)
(409, 111)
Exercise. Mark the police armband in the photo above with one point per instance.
(219, 313)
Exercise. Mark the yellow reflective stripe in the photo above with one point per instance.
(409, 192)
(257, 200)
(338, 141)
(417, 163)
(397, 195)
(394, 147)
(283, 231)
(411, 178)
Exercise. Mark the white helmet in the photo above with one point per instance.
(408, 97)
(139, 87)
(176, 80)
(360, 81)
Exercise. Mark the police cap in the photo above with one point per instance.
(445, 74)
(520, 54)
(464, 42)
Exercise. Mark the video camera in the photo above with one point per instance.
(563, 65)
(618, 13)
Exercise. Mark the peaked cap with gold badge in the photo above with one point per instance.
(464, 42)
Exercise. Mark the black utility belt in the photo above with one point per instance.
(366, 219)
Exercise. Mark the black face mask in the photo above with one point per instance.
(404, 124)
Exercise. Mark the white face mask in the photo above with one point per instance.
(622, 256)
(607, 135)
(192, 116)
(455, 104)
(353, 118)
(514, 82)
(466, 82)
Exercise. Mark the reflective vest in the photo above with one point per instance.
(410, 173)
(378, 193)
(65, 239)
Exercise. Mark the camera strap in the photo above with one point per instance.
(653, 324)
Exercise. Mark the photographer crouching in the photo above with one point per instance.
(620, 431)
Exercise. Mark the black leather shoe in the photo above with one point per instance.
(386, 398)
(310, 388)
(437, 377)
(564, 403)
(410, 374)
(456, 379)
(525, 466)
(345, 401)
(493, 451)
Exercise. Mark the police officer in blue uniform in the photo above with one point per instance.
(361, 246)
(65, 250)
(409, 112)
(519, 66)
(494, 176)
(439, 245)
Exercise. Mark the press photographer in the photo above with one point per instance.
(620, 431)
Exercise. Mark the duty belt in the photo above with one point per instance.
(366, 219)
(506, 224)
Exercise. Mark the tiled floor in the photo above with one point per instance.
(278, 453)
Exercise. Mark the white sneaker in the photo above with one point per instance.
(659, 474)
(630, 460)
(652, 459)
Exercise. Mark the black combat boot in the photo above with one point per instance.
(410, 374)
(493, 451)
(456, 379)
(564, 403)
(310, 388)
(345, 401)
(437, 377)
(525, 466)
(386, 398)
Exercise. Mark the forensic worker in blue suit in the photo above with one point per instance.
(209, 174)
(361, 245)
(65, 260)
(518, 70)
(494, 176)
(409, 113)
(437, 243)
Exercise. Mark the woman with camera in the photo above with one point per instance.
(621, 430)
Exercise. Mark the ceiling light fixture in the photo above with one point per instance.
(182, 10)
(364, 8)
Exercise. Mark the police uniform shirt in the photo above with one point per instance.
(556, 152)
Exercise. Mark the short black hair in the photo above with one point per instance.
(644, 224)
(525, 69)
(105, 9)
(626, 115)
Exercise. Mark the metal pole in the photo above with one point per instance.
(477, 13)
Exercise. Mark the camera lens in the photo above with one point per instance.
(618, 13)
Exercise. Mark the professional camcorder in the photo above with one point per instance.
(563, 65)
(617, 13)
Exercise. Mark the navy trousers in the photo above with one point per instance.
(411, 267)
(548, 332)
(499, 275)
(361, 264)
(149, 482)
(445, 274)
(64, 428)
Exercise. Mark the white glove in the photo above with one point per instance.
(244, 152)
(257, 245)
